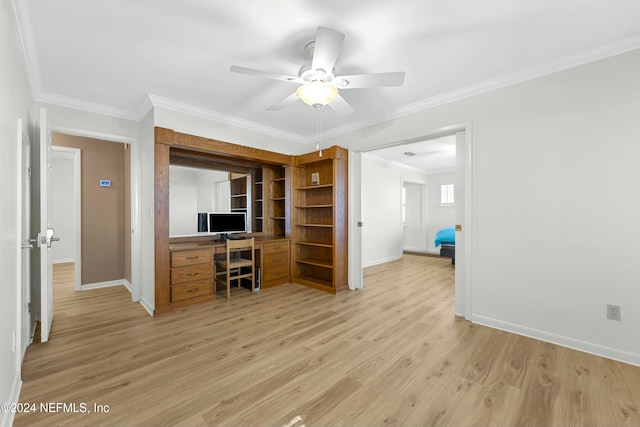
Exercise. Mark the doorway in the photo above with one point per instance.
(66, 184)
(92, 219)
(362, 214)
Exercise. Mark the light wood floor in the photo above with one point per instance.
(391, 354)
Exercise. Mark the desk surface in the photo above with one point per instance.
(203, 243)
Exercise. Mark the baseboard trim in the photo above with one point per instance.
(6, 417)
(381, 261)
(416, 250)
(575, 344)
(147, 306)
(406, 252)
(128, 285)
(107, 284)
(64, 261)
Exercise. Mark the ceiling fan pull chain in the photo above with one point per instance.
(319, 117)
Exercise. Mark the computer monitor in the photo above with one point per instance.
(227, 222)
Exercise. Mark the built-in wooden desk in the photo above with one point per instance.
(193, 272)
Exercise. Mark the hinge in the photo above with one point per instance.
(29, 307)
(29, 172)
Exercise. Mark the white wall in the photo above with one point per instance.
(15, 103)
(193, 190)
(206, 128)
(63, 215)
(439, 216)
(214, 191)
(416, 218)
(382, 233)
(555, 177)
(183, 202)
(147, 212)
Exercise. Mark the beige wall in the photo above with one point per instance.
(105, 210)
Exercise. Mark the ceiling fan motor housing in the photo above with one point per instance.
(308, 74)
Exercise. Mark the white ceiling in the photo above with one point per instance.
(110, 56)
(430, 156)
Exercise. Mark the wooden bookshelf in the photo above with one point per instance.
(241, 190)
(276, 201)
(258, 201)
(319, 220)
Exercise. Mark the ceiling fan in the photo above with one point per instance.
(319, 84)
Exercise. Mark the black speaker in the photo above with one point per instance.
(203, 222)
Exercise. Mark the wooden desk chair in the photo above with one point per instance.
(238, 264)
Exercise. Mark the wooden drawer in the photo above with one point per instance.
(191, 273)
(192, 257)
(276, 260)
(275, 247)
(182, 292)
(275, 273)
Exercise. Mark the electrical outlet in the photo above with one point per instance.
(613, 312)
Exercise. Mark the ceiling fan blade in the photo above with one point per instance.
(284, 102)
(326, 49)
(358, 81)
(266, 74)
(341, 106)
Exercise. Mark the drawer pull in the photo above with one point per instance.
(192, 257)
(191, 274)
(276, 260)
(190, 291)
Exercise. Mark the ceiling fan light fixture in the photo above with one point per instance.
(317, 93)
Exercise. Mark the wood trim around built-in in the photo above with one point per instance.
(341, 227)
(198, 143)
(162, 259)
(333, 152)
(168, 141)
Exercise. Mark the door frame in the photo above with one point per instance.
(424, 208)
(77, 208)
(136, 236)
(19, 285)
(463, 293)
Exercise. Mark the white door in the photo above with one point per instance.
(356, 272)
(46, 234)
(461, 227)
(25, 234)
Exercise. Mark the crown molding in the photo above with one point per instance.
(24, 30)
(203, 113)
(25, 33)
(144, 107)
(617, 47)
(91, 107)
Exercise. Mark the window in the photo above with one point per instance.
(446, 194)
